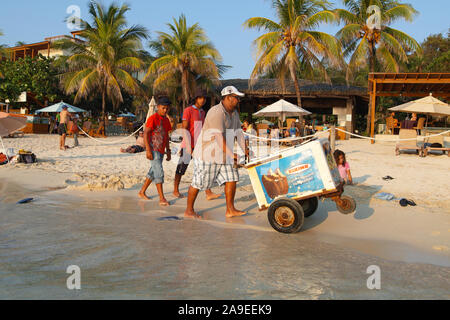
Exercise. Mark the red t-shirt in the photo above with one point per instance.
(159, 132)
(196, 118)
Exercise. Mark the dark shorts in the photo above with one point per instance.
(183, 164)
(62, 129)
(138, 149)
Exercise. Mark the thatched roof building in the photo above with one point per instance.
(346, 102)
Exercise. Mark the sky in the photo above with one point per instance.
(32, 21)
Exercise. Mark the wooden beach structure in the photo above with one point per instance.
(343, 101)
(405, 85)
(44, 48)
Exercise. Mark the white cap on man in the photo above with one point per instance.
(231, 90)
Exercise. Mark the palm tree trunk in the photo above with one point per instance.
(297, 93)
(104, 107)
(184, 84)
(371, 69)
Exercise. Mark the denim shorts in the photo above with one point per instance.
(156, 172)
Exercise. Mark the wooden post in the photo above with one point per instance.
(349, 112)
(333, 138)
(373, 98)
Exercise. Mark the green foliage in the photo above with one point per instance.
(379, 50)
(104, 63)
(292, 44)
(436, 55)
(36, 75)
(185, 56)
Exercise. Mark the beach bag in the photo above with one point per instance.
(27, 158)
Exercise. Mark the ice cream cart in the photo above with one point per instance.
(290, 183)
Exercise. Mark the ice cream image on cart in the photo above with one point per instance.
(290, 182)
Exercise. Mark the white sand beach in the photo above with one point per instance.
(97, 185)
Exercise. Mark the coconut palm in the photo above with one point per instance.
(292, 45)
(105, 61)
(378, 49)
(186, 53)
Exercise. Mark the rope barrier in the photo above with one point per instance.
(286, 139)
(111, 142)
(396, 140)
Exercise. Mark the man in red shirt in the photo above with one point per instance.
(193, 119)
(156, 139)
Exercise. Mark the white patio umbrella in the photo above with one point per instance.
(427, 105)
(282, 109)
(151, 108)
(57, 108)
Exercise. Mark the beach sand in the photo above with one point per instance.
(327, 259)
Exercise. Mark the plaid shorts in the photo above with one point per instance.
(207, 175)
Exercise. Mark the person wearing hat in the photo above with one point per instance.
(193, 120)
(156, 140)
(214, 158)
(64, 117)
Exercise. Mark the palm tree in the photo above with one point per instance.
(292, 45)
(186, 53)
(104, 63)
(372, 48)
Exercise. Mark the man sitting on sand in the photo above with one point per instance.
(193, 119)
(214, 153)
(138, 147)
(156, 139)
(64, 117)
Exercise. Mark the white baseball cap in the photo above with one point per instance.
(231, 90)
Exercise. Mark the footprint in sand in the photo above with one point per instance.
(441, 248)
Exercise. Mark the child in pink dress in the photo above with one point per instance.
(343, 166)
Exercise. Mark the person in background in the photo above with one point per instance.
(193, 120)
(156, 139)
(138, 147)
(343, 166)
(75, 130)
(293, 131)
(64, 117)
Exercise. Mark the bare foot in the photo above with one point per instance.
(189, 214)
(164, 203)
(235, 213)
(212, 196)
(122, 150)
(143, 196)
(178, 195)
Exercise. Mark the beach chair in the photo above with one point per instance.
(433, 140)
(16, 134)
(390, 125)
(420, 126)
(408, 145)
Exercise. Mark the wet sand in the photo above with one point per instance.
(125, 252)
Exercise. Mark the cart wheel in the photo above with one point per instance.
(309, 206)
(346, 205)
(286, 216)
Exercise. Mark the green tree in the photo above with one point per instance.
(378, 49)
(186, 53)
(435, 57)
(33, 75)
(105, 61)
(293, 45)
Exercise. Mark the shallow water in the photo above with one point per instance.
(124, 252)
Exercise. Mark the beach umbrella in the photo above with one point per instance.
(56, 108)
(282, 109)
(427, 105)
(126, 115)
(10, 123)
(151, 108)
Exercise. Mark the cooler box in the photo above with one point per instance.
(297, 173)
